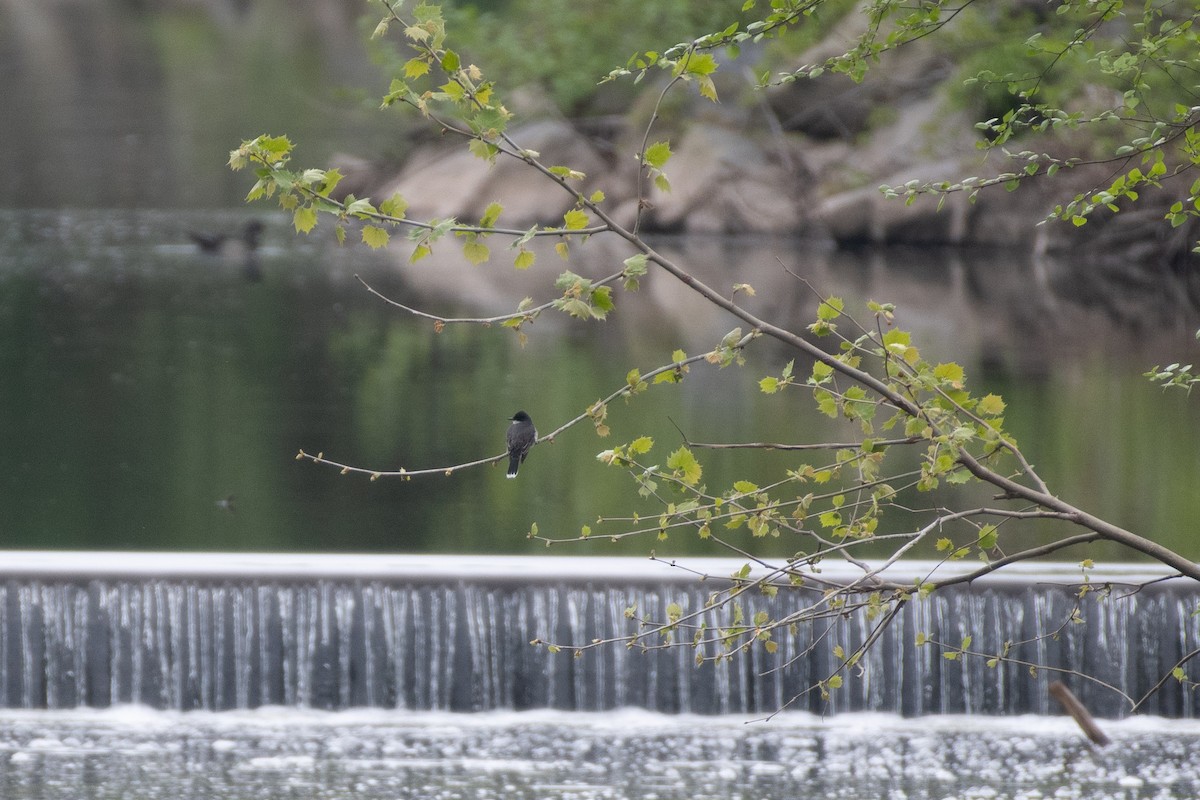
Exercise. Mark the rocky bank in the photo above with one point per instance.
(805, 159)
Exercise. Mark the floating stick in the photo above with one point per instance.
(1071, 704)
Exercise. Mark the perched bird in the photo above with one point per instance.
(246, 241)
(521, 436)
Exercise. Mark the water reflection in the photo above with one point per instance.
(147, 383)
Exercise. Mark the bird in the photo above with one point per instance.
(520, 437)
(233, 248)
(246, 241)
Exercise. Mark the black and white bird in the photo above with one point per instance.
(520, 437)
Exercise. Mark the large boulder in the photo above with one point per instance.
(723, 181)
(446, 180)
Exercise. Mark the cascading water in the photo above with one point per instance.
(211, 632)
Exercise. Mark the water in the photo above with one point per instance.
(435, 634)
(146, 384)
(135, 753)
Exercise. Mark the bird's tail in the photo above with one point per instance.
(514, 462)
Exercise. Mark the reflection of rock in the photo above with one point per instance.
(444, 181)
(866, 216)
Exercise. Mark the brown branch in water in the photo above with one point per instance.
(1071, 704)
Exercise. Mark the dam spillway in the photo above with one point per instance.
(231, 631)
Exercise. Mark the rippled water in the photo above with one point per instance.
(134, 753)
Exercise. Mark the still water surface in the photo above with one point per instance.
(154, 397)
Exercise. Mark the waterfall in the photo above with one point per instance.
(435, 633)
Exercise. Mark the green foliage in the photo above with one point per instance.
(581, 298)
(1175, 375)
(573, 49)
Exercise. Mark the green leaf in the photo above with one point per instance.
(950, 373)
(575, 219)
(641, 445)
(416, 67)
(304, 219)
(524, 259)
(685, 465)
(769, 385)
(988, 536)
(700, 64)
(990, 405)
(476, 252)
(830, 309)
(826, 403)
(375, 237)
(360, 208)
(394, 206)
(485, 150)
(490, 215)
(657, 155)
(602, 301)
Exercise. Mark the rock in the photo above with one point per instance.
(446, 180)
(722, 181)
(832, 106)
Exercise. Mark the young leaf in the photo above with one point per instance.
(991, 405)
(490, 215)
(524, 259)
(657, 154)
(304, 219)
(476, 252)
(641, 445)
(375, 237)
(416, 67)
(830, 309)
(575, 219)
(951, 374)
(685, 465)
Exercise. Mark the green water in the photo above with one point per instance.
(145, 384)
